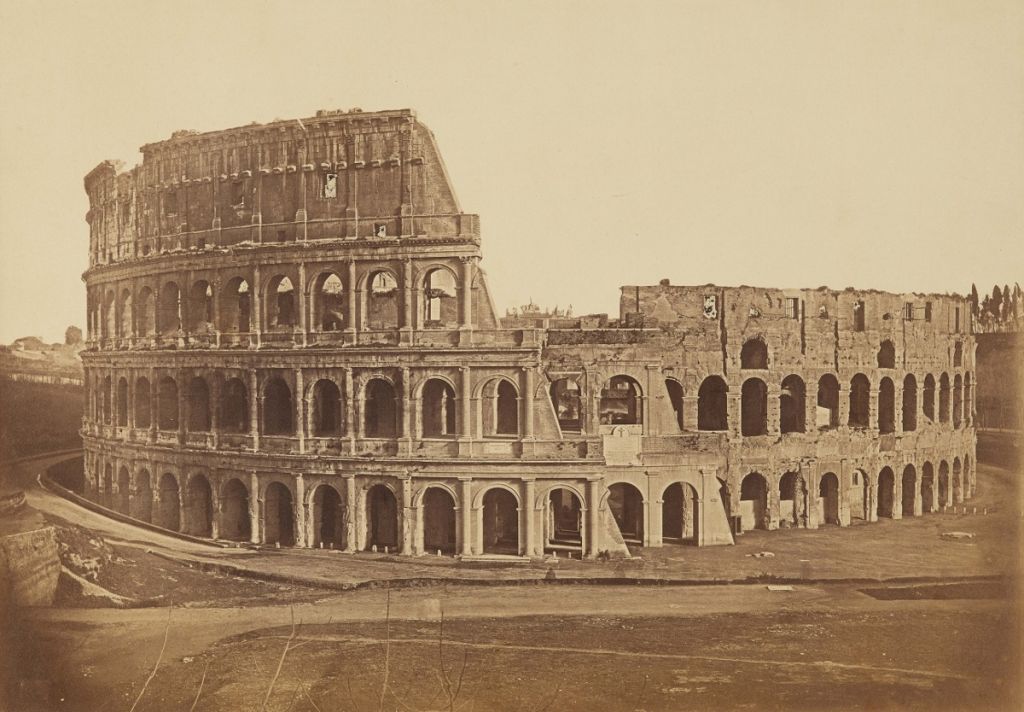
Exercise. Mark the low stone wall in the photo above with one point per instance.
(30, 567)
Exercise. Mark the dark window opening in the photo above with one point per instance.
(792, 405)
(827, 414)
(565, 396)
(326, 408)
(887, 355)
(277, 408)
(860, 402)
(754, 407)
(712, 404)
(438, 409)
(675, 397)
(754, 354)
(381, 410)
(886, 406)
(620, 402)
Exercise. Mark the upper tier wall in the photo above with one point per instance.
(334, 175)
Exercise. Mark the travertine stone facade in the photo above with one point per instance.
(291, 342)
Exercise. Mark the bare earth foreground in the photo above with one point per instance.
(526, 637)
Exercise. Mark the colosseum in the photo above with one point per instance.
(292, 343)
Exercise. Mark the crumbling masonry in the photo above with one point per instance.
(291, 342)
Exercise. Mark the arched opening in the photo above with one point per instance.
(142, 502)
(170, 503)
(200, 308)
(944, 398)
(886, 492)
(712, 405)
(381, 301)
(167, 402)
(680, 513)
(754, 501)
(944, 498)
(675, 399)
(108, 405)
(958, 492)
(958, 399)
(169, 316)
(928, 406)
(328, 519)
(887, 355)
(793, 499)
(235, 521)
(438, 521)
(860, 401)
(437, 409)
(909, 403)
(124, 491)
(754, 407)
(909, 487)
(500, 522)
(327, 409)
(859, 495)
(754, 354)
(122, 402)
(827, 415)
(380, 410)
(234, 414)
(627, 506)
(199, 511)
(440, 305)
(124, 307)
(620, 402)
(928, 493)
(968, 400)
(235, 307)
(143, 412)
(108, 487)
(886, 406)
(828, 492)
(792, 405)
(499, 408)
(563, 526)
(329, 302)
(145, 313)
(281, 314)
(109, 323)
(381, 519)
(198, 405)
(277, 408)
(279, 517)
(565, 396)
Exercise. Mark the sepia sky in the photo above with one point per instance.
(774, 143)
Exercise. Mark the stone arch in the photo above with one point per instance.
(754, 354)
(327, 294)
(754, 501)
(944, 398)
(169, 312)
(712, 404)
(440, 301)
(381, 300)
(380, 408)
(122, 401)
(329, 525)
(860, 495)
(793, 405)
(499, 520)
(929, 493)
(198, 506)
(439, 524)
(675, 398)
(170, 502)
(563, 519)
(124, 308)
(860, 401)
(200, 307)
(108, 324)
(143, 403)
(108, 486)
(828, 402)
(958, 492)
(437, 408)
(828, 492)
(145, 313)
(567, 399)
(328, 408)
(234, 412)
(626, 502)
(167, 403)
(382, 518)
(236, 306)
(928, 396)
(886, 406)
(886, 492)
(499, 407)
(958, 400)
(142, 499)
(909, 403)
(199, 416)
(909, 487)
(793, 499)
(944, 490)
(754, 407)
(621, 402)
(278, 515)
(108, 400)
(235, 520)
(124, 490)
(280, 304)
(680, 513)
(278, 407)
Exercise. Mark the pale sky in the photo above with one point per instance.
(787, 143)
